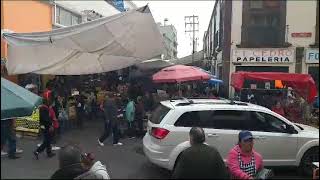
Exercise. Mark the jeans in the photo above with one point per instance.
(8, 134)
(131, 129)
(62, 126)
(46, 144)
(108, 126)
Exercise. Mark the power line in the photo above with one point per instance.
(192, 26)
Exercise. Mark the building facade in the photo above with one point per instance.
(260, 36)
(169, 33)
(23, 17)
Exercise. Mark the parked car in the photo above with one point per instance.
(279, 141)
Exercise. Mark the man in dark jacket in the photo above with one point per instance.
(70, 165)
(47, 127)
(200, 161)
(110, 112)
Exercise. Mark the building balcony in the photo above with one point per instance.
(262, 37)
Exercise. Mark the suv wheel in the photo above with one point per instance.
(306, 167)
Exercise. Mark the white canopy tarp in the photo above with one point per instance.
(154, 64)
(103, 45)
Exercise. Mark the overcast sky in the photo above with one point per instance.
(175, 11)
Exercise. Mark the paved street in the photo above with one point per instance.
(125, 161)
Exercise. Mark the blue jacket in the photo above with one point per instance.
(130, 111)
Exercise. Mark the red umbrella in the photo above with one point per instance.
(179, 73)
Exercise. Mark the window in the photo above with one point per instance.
(260, 4)
(195, 118)
(264, 23)
(230, 119)
(66, 18)
(266, 122)
(159, 113)
(256, 4)
(265, 20)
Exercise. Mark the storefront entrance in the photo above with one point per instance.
(314, 72)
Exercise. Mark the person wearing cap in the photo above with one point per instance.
(243, 161)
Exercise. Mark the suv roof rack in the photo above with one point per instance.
(227, 101)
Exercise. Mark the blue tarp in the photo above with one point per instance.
(215, 81)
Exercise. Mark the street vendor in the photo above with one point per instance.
(278, 108)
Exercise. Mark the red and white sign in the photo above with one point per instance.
(263, 55)
(301, 34)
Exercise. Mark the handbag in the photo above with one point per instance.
(63, 115)
(264, 174)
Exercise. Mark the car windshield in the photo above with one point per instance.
(159, 113)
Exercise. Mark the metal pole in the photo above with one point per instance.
(193, 33)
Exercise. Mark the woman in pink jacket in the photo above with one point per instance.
(243, 161)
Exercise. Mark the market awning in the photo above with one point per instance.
(154, 64)
(303, 84)
(180, 73)
(102, 45)
(17, 101)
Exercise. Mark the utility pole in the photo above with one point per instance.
(192, 26)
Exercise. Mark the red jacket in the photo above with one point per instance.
(53, 117)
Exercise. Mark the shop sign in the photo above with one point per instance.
(273, 55)
(253, 86)
(312, 56)
(267, 85)
(301, 34)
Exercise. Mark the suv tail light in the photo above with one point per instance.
(159, 133)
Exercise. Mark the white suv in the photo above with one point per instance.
(279, 141)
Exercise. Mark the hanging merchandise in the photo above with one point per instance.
(278, 84)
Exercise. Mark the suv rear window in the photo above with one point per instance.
(159, 113)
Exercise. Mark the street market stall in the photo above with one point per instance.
(179, 74)
(20, 104)
(172, 78)
(303, 84)
(289, 87)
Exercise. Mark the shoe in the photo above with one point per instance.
(36, 154)
(19, 151)
(13, 157)
(118, 144)
(3, 153)
(54, 148)
(50, 155)
(38, 145)
(100, 143)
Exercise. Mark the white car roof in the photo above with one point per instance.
(210, 103)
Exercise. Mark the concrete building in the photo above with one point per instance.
(278, 36)
(169, 33)
(69, 13)
(23, 17)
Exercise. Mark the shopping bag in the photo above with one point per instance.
(63, 115)
(264, 174)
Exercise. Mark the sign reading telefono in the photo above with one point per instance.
(273, 55)
(312, 56)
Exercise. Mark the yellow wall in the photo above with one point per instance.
(24, 16)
